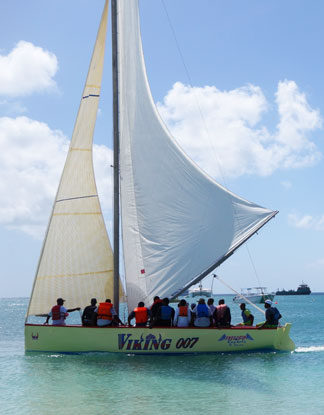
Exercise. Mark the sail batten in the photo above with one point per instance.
(177, 222)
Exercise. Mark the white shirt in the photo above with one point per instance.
(202, 321)
(61, 321)
(182, 321)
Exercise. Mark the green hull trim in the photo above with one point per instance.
(133, 340)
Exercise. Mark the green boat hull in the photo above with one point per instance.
(135, 340)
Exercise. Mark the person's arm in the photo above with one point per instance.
(83, 316)
(215, 317)
(172, 316)
(47, 319)
(229, 316)
(118, 321)
(130, 317)
(267, 317)
(70, 310)
(193, 316)
(210, 315)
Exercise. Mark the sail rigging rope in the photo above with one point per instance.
(241, 295)
(205, 126)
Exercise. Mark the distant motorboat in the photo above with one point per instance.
(259, 296)
(303, 289)
(200, 291)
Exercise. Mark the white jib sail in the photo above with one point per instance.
(76, 262)
(177, 222)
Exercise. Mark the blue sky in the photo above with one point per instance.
(252, 69)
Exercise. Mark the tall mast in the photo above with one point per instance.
(116, 151)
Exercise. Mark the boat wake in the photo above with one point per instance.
(309, 349)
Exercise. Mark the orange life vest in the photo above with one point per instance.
(104, 311)
(183, 311)
(56, 313)
(141, 315)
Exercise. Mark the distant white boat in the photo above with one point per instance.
(258, 296)
(200, 291)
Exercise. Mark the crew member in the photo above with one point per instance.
(222, 314)
(272, 316)
(157, 302)
(165, 315)
(201, 314)
(59, 313)
(105, 314)
(247, 317)
(141, 315)
(182, 317)
(89, 313)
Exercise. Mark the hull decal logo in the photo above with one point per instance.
(152, 342)
(34, 336)
(236, 340)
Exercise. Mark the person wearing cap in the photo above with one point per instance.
(59, 313)
(88, 313)
(272, 316)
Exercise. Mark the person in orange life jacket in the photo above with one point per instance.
(88, 315)
(165, 314)
(105, 314)
(272, 316)
(141, 315)
(59, 313)
(182, 316)
(201, 314)
(247, 317)
(222, 314)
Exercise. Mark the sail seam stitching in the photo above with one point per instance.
(80, 149)
(76, 213)
(73, 275)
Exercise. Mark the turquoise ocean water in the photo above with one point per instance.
(256, 383)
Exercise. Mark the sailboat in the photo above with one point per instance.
(178, 224)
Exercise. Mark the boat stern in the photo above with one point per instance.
(283, 341)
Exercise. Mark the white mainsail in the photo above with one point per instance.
(177, 222)
(76, 261)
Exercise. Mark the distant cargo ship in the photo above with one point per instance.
(303, 289)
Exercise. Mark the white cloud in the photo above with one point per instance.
(27, 69)
(306, 221)
(31, 161)
(226, 135)
(32, 155)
